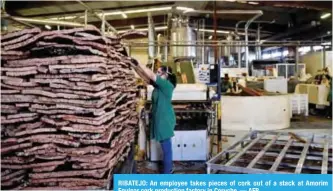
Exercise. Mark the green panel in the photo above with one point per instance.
(186, 67)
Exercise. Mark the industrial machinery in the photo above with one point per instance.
(195, 112)
(275, 69)
(195, 115)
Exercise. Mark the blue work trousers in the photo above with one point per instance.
(167, 155)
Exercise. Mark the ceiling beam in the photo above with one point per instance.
(14, 12)
(291, 31)
(139, 21)
(314, 5)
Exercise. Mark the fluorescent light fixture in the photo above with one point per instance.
(132, 26)
(145, 29)
(48, 27)
(211, 31)
(210, 37)
(217, 31)
(326, 43)
(324, 16)
(156, 28)
(253, 3)
(305, 49)
(63, 18)
(124, 15)
(137, 11)
(184, 8)
(315, 48)
(113, 13)
(230, 0)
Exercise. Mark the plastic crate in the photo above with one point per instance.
(299, 104)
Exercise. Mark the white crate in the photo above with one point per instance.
(276, 85)
(299, 104)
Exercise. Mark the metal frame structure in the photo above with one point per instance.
(225, 43)
(275, 152)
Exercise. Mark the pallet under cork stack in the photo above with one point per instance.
(68, 113)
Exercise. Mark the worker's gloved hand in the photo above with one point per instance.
(134, 62)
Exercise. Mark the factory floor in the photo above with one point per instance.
(310, 124)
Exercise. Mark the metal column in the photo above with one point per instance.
(203, 41)
(103, 24)
(258, 40)
(219, 128)
(296, 61)
(324, 56)
(239, 52)
(85, 18)
(246, 51)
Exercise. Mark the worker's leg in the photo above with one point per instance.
(167, 156)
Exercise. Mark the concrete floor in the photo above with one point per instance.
(315, 124)
(311, 124)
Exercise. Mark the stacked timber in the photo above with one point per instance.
(67, 108)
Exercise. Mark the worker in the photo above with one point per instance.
(163, 116)
(226, 85)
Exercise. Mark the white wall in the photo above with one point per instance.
(314, 61)
(329, 61)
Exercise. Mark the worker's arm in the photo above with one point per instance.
(144, 72)
(328, 76)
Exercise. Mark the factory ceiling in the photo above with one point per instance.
(281, 18)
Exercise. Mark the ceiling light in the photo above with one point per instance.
(124, 15)
(210, 30)
(184, 8)
(315, 48)
(253, 3)
(145, 29)
(132, 26)
(48, 27)
(112, 13)
(328, 32)
(218, 31)
(63, 18)
(138, 11)
(210, 37)
(324, 16)
(326, 43)
(230, 0)
(156, 28)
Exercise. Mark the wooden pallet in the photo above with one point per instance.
(275, 152)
